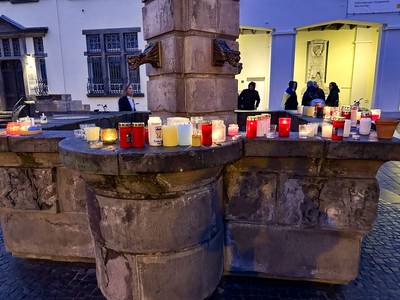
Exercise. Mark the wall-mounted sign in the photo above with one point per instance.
(373, 6)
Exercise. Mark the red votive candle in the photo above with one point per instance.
(13, 128)
(206, 134)
(138, 134)
(251, 127)
(284, 127)
(125, 135)
(338, 128)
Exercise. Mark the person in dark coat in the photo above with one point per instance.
(126, 102)
(333, 97)
(249, 99)
(310, 94)
(289, 99)
(319, 92)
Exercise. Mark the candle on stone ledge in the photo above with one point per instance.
(251, 127)
(327, 130)
(365, 126)
(138, 135)
(185, 134)
(206, 133)
(233, 130)
(109, 135)
(218, 131)
(375, 114)
(284, 127)
(13, 128)
(170, 135)
(196, 138)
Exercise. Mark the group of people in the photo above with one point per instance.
(313, 95)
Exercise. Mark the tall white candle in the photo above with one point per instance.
(365, 126)
(185, 134)
(353, 116)
(155, 131)
(327, 131)
(347, 128)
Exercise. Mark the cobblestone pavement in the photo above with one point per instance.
(379, 276)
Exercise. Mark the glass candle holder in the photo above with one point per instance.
(185, 134)
(233, 130)
(271, 131)
(138, 135)
(338, 128)
(109, 136)
(284, 127)
(327, 130)
(347, 128)
(303, 131)
(92, 135)
(155, 131)
(251, 127)
(354, 115)
(196, 138)
(13, 128)
(365, 126)
(346, 112)
(170, 135)
(218, 131)
(375, 114)
(125, 135)
(206, 134)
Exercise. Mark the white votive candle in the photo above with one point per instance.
(347, 128)
(185, 134)
(327, 131)
(92, 134)
(365, 126)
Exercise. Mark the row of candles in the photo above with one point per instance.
(176, 132)
(24, 126)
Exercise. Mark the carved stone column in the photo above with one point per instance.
(189, 81)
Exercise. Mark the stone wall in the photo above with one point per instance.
(42, 204)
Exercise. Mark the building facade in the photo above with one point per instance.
(80, 47)
(76, 47)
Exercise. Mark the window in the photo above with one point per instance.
(6, 47)
(16, 47)
(107, 52)
(112, 42)
(41, 85)
(38, 45)
(131, 41)
(93, 43)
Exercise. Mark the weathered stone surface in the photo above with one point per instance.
(29, 160)
(287, 165)
(350, 168)
(210, 94)
(29, 189)
(229, 16)
(103, 161)
(149, 226)
(380, 150)
(3, 142)
(45, 142)
(71, 190)
(166, 94)
(47, 236)
(327, 256)
(250, 195)
(284, 147)
(348, 204)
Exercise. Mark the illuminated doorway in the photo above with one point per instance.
(344, 52)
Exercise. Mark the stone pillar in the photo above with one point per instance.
(387, 91)
(282, 66)
(188, 83)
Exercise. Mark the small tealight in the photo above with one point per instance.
(356, 137)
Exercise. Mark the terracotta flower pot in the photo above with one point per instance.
(386, 128)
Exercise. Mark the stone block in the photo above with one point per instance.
(290, 147)
(250, 195)
(28, 189)
(63, 237)
(166, 94)
(71, 190)
(274, 252)
(229, 17)
(350, 168)
(287, 165)
(46, 142)
(162, 225)
(3, 142)
(210, 94)
(200, 49)
(76, 105)
(203, 15)
(29, 160)
(336, 203)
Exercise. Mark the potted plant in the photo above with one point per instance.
(385, 128)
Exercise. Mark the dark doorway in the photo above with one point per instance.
(13, 82)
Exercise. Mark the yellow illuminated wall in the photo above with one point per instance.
(255, 55)
(351, 61)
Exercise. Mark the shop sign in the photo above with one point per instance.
(373, 6)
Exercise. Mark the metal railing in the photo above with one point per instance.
(114, 88)
(41, 88)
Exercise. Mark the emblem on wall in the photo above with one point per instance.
(317, 59)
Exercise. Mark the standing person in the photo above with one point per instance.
(126, 102)
(333, 97)
(249, 99)
(289, 99)
(319, 92)
(310, 94)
